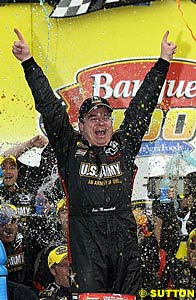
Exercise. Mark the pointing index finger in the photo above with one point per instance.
(19, 35)
(165, 36)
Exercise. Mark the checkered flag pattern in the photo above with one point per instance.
(70, 8)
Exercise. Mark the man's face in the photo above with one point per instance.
(97, 127)
(8, 231)
(187, 202)
(192, 252)
(10, 173)
(61, 273)
(63, 218)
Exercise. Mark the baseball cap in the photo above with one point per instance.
(8, 212)
(9, 157)
(57, 255)
(60, 204)
(92, 103)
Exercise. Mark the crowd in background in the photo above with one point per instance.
(33, 220)
(34, 229)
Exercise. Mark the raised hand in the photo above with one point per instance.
(38, 141)
(168, 49)
(20, 48)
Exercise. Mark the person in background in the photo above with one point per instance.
(186, 212)
(62, 217)
(42, 181)
(167, 230)
(58, 264)
(28, 177)
(11, 193)
(97, 167)
(173, 222)
(33, 177)
(20, 277)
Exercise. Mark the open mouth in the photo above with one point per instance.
(7, 177)
(101, 132)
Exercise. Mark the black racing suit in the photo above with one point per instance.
(20, 275)
(99, 181)
(55, 292)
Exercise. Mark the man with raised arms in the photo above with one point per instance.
(103, 236)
